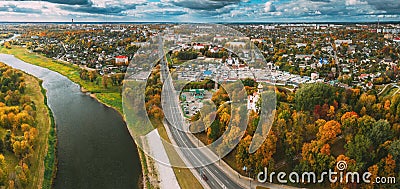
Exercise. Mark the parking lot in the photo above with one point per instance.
(192, 102)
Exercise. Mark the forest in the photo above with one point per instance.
(20, 141)
(316, 127)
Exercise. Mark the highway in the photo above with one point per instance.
(176, 124)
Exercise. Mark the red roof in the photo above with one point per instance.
(121, 56)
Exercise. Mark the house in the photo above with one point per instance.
(369, 85)
(299, 45)
(214, 50)
(198, 46)
(303, 56)
(314, 76)
(339, 42)
(237, 44)
(121, 60)
(253, 99)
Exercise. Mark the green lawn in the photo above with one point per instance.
(111, 99)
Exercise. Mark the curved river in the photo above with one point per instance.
(95, 149)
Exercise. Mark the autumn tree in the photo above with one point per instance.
(329, 131)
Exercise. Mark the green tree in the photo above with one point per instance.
(310, 95)
(359, 150)
(380, 132)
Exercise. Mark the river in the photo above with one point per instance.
(95, 149)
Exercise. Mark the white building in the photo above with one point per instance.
(314, 76)
(339, 42)
(121, 60)
(253, 99)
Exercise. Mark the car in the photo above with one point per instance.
(204, 177)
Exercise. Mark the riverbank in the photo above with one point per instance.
(50, 160)
(46, 146)
(110, 96)
(43, 158)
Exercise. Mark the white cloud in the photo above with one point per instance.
(354, 2)
(269, 7)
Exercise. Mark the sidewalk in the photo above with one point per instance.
(166, 173)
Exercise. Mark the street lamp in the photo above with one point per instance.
(248, 170)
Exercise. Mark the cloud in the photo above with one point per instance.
(354, 2)
(389, 6)
(108, 10)
(204, 4)
(269, 7)
(65, 2)
(15, 9)
(104, 7)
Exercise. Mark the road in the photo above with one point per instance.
(177, 126)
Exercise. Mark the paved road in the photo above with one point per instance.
(216, 177)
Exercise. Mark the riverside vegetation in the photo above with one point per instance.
(27, 141)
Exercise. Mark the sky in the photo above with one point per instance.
(199, 10)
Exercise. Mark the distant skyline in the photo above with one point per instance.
(199, 10)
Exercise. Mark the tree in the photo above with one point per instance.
(310, 95)
(394, 149)
(358, 149)
(7, 140)
(349, 124)
(249, 82)
(7, 44)
(329, 131)
(92, 75)
(380, 132)
(365, 125)
(105, 81)
(213, 132)
(389, 166)
(242, 155)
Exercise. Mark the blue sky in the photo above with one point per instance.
(200, 10)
